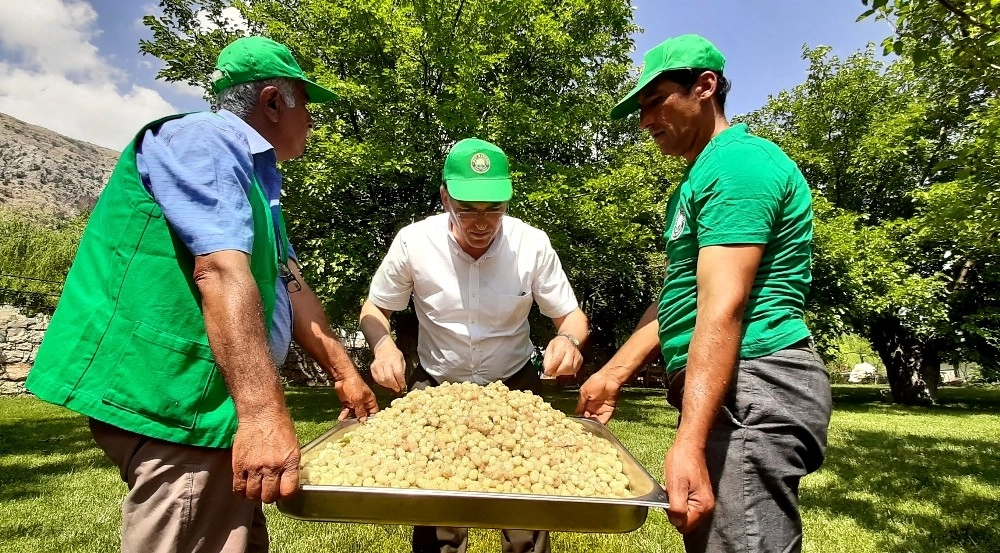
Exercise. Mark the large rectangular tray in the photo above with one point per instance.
(418, 507)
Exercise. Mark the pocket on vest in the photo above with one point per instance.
(161, 377)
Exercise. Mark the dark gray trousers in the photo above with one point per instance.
(770, 433)
(440, 539)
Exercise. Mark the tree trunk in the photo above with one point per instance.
(909, 363)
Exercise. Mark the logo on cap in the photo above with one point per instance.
(480, 163)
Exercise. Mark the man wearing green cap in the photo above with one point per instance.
(754, 396)
(473, 273)
(178, 311)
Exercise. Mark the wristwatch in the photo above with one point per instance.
(572, 339)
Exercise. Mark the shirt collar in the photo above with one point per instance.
(258, 144)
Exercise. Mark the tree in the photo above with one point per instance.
(536, 77)
(35, 256)
(873, 140)
(957, 42)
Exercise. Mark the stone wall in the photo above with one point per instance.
(20, 336)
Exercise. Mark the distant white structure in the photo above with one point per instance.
(862, 372)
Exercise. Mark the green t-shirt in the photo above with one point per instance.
(742, 189)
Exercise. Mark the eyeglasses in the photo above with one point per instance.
(292, 284)
(470, 214)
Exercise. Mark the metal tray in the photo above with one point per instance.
(418, 507)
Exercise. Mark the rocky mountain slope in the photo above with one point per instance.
(44, 172)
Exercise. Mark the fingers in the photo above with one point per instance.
(387, 377)
(270, 486)
(696, 513)
(556, 363)
(371, 405)
(399, 377)
(549, 361)
(677, 496)
(239, 481)
(365, 406)
(604, 417)
(289, 483)
(254, 485)
(345, 413)
(581, 403)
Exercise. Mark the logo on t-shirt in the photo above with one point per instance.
(679, 222)
(480, 163)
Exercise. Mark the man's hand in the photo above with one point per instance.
(358, 399)
(266, 456)
(389, 366)
(688, 488)
(561, 358)
(598, 397)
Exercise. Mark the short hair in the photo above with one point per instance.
(241, 98)
(687, 78)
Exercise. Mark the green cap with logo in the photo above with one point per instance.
(682, 52)
(255, 58)
(477, 171)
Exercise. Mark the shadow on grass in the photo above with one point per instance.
(956, 401)
(35, 451)
(954, 475)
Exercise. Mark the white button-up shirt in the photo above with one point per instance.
(473, 313)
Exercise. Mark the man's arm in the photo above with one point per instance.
(599, 394)
(725, 278)
(313, 333)
(389, 366)
(265, 450)
(562, 355)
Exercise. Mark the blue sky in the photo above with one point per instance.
(73, 65)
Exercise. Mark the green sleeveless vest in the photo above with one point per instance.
(127, 344)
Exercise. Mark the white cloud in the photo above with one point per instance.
(183, 89)
(52, 75)
(231, 16)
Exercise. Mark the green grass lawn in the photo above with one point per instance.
(896, 479)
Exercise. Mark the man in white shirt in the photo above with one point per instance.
(473, 273)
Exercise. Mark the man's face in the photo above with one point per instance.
(476, 223)
(294, 125)
(672, 116)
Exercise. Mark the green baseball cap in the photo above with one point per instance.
(477, 171)
(682, 52)
(255, 58)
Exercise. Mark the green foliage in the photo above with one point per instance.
(606, 227)
(535, 77)
(936, 33)
(851, 349)
(864, 136)
(904, 170)
(957, 45)
(35, 255)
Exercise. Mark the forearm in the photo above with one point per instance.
(712, 358)
(312, 332)
(236, 333)
(374, 324)
(576, 325)
(643, 343)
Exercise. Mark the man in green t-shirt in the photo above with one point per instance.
(754, 396)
